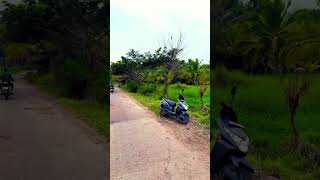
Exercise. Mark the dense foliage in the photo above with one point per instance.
(278, 49)
(52, 34)
(154, 75)
(265, 36)
(150, 68)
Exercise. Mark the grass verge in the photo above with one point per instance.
(191, 94)
(261, 106)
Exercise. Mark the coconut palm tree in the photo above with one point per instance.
(269, 25)
(194, 67)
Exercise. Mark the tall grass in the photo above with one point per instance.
(191, 94)
(261, 107)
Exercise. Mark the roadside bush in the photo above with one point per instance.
(73, 79)
(31, 76)
(147, 89)
(97, 87)
(132, 86)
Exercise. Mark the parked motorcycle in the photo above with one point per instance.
(6, 90)
(167, 107)
(228, 155)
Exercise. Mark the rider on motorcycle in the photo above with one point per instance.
(7, 77)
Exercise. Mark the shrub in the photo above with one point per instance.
(147, 89)
(132, 86)
(73, 79)
(98, 88)
(31, 76)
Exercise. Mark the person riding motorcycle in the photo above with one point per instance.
(7, 77)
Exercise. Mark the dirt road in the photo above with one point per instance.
(40, 141)
(144, 147)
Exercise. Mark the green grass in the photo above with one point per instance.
(261, 107)
(191, 94)
(94, 114)
(18, 69)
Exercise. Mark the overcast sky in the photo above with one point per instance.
(142, 24)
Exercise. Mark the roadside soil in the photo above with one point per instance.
(145, 146)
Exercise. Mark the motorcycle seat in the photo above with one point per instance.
(171, 103)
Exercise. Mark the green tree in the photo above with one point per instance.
(194, 67)
(204, 82)
(294, 89)
(173, 47)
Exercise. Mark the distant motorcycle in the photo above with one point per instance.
(111, 88)
(228, 155)
(6, 90)
(167, 107)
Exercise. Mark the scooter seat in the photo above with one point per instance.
(171, 103)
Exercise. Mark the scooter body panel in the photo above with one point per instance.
(241, 161)
(166, 107)
(224, 153)
(220, 153)
(180, 112)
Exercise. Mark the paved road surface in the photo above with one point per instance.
(142, 148)
(41, 141)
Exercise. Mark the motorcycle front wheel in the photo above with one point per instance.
(183, 118)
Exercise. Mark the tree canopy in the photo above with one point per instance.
(263, 36)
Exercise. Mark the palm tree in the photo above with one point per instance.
(222, 12)
(194, 67)
(272, 41)
(269, 25)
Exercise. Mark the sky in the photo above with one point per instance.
(143, 24)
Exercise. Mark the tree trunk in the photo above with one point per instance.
(201, 97)
(295, 135)
(166, 85)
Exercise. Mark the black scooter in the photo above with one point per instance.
(228, 155)
(167, 107)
